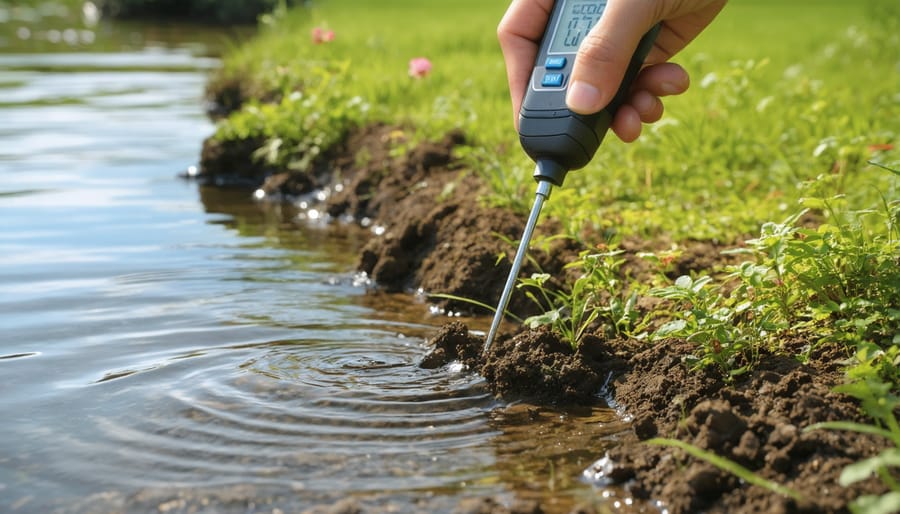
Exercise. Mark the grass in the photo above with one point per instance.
(771, 107)
(367, 62)
(794, 114)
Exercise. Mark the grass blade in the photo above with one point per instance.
(727, 465)
(472, 302)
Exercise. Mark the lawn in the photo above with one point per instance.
(782, 93)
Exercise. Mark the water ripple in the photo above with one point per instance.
(352, 417)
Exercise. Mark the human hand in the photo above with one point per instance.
(605, 52)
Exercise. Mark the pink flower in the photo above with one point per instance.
(320, 35)
(419, 67)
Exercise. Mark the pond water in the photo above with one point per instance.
(168, 347)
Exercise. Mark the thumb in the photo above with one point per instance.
(605, 53)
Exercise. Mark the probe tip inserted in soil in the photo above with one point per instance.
(543, 192)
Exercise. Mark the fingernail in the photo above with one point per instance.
(644, 102)
(670, 88)
(583, 98)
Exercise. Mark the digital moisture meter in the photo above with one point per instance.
(557, 139)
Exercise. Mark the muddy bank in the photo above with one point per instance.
(430, 228)
(430, 231)
(758, 421)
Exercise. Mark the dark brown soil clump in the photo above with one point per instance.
(757, 421)
(533, 365)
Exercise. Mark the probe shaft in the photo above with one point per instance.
(543, 192)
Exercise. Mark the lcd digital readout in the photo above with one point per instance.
(577, 19)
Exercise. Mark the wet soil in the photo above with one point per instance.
(758, 421)
(431, 231)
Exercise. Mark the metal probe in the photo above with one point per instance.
(543, 193)
(557, 139)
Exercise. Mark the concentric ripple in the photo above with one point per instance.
(321, 417)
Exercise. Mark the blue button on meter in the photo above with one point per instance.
(555, 63)
(552, 80)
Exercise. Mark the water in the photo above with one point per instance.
(166, 346)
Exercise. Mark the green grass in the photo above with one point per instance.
(781, 94)
(369, 57)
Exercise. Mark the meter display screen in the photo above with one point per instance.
(577, 19)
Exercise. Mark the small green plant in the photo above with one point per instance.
(568, 312)
(596, 295)
(296, 130)
(713, 322)
(836, 282)
(841, 278)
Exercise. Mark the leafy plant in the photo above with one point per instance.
(840, 278)
(596, 295)
(712, 321)
(838, 281)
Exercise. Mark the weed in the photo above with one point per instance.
(711, 321)
(596, 295)
(836, 282)
(840, 279)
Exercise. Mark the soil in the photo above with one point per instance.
(433, 233)
(757, 421)
(432, 230)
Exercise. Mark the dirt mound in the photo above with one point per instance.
(533, 365)
(757, 421)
